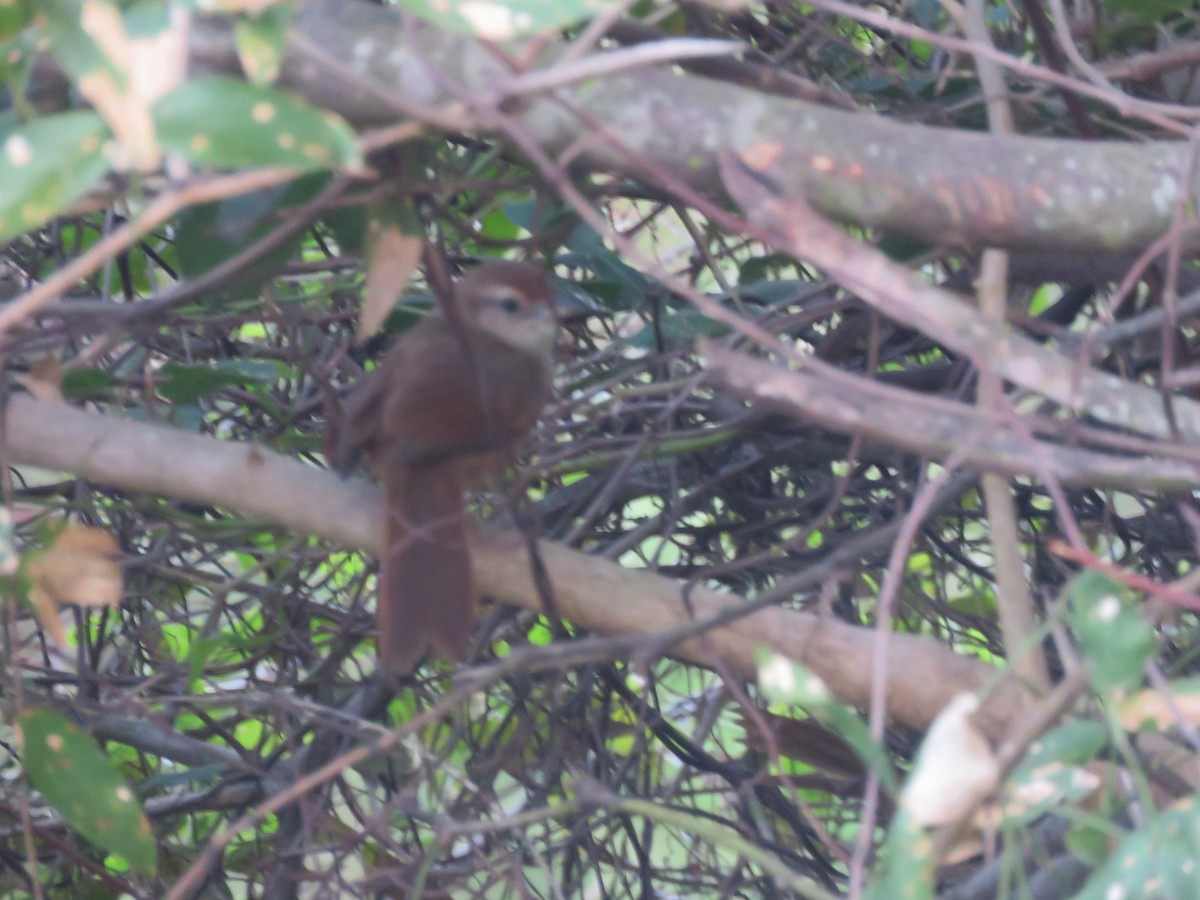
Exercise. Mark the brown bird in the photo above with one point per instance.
(449, 402)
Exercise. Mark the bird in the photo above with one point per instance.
(451, 400)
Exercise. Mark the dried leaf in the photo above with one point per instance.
(82, 567)
(392, 257)
(1151, 706)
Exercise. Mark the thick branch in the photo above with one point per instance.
(594, 593)
(940, 185)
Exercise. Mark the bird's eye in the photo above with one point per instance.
(510, 304)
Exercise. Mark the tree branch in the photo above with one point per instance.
(593, 593)
(1005, 191)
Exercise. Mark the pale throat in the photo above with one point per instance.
(534, 333)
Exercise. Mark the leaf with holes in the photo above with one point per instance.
(47, 165)
(228, 124)
(74, 777)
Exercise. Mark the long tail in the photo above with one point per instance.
(426, 598)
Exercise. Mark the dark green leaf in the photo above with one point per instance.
(209, 234)
(81, 384)
(760, 268)
(349, 227)
(187, 384)
(678, 329)
(64, 763)
(773, 290)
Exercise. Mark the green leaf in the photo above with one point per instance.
(81, 384)
(1158, 860)
(211, 233)
(678, 329)
(772, 290)
(47, 165)
(1114, 637)
(905, 871)
(1148, 11)
(502, 20)
(348, 224)
(1089, 842)
(14, 16)
(617, 284)
(74, 777)
(228, 124)
(763, 268)
(187, 384)
(260, 43)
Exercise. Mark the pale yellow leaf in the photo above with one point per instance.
(140, 70)
(955, 767)
(82, 566)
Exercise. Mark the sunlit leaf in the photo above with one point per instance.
(47, 165)
(8, 545)
(229, 124)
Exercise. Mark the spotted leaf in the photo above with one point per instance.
(46, 165)
(229, 124)
(80, 782)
